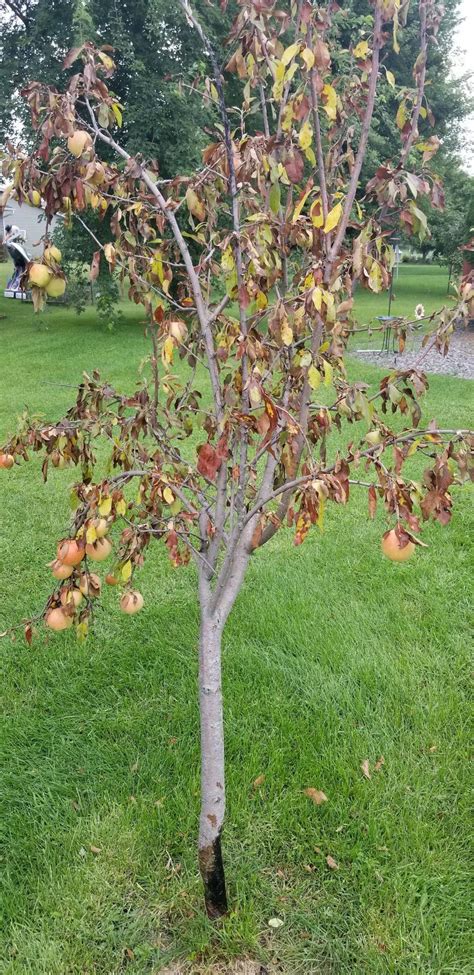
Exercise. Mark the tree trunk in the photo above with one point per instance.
(212, 766)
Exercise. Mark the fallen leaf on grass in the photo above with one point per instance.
(379, 763)
(432, 748)
(258, 781)
(275, 922)
(365, 769)
(95, 849)
(332, 863)
(316, 795)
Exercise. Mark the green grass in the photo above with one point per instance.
(332, 656)
(425, 284)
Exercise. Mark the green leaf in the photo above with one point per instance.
(274, 198)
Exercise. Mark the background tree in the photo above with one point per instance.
(246, 421)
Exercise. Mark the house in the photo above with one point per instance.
(31, 219)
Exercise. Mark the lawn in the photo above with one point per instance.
(332, 656)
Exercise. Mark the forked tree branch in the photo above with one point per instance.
(364, 136)
(422, 60)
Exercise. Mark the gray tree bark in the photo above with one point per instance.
(212, 765)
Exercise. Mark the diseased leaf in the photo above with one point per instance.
(95, 266)
(372, 501)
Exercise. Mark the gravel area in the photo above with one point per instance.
(458, 362)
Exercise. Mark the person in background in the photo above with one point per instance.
(14, 240)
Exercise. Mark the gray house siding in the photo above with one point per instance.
(30, 219)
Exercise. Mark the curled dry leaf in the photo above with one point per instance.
(378, 765)
(258, 781)
(365, 768)
(332, 863)
(317, 796)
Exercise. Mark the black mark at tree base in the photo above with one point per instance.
(212, 872)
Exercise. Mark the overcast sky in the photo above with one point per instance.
(463, 61)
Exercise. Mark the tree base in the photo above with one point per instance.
(212, 872)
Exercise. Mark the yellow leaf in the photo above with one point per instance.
(361, 50)
(308, 58)
(299, 206)
(330, 101)
(121, 506)
(167, 351)
(317, 297)
(289, 54)
(333, 218)
(328, 372)
(227, 259)
(126, 572)
(390, 78)
(280, 71)
(91, 535)
(168, 495)
(305, 136)
(286, 334)
(375, 277)
(314, 377)
(261, 300)
(310, 156)
(118, 114)
(105, 507)
(255, 395)
(401, 115)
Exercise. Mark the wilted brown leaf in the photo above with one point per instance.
(365, 768)
(95, 849)
(378, 765)
(317, 796)
(258, 781)
(332, 863)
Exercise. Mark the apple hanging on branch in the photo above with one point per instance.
(248, 330)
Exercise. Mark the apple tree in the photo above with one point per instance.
(246, 272)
